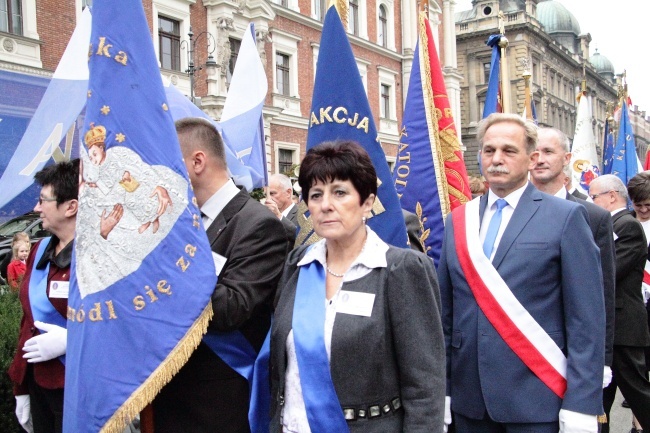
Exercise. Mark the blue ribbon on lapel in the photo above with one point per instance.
(324, 411)
(239, 354)
(42, 308)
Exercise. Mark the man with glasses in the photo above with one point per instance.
(37, 370)
(630, 328)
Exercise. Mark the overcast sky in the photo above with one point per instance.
(620, 31)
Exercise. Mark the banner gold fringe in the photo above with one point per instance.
(432, 117)
(342, 9)
(160, 376)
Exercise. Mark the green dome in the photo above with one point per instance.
(602, 64)
(556, 18)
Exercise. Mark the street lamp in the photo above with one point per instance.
(190, 46)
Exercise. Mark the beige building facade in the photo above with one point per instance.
(546, 37)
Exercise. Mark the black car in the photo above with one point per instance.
(29, 223)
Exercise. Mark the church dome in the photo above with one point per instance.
(556, 18)
(602, 64)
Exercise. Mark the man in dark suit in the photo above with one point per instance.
(548, 176)
(249, 248)
(279, 200)
(630, 330)
(535, 363)
(413, 230)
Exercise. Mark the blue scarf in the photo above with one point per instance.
(237, 352)
(324, 411)
(42, 308)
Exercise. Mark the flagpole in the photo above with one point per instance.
(505, 74)
(528, 108)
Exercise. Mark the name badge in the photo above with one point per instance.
(59, 289)
(219, 262)
(356, 303)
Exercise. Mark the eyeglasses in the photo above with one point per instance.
(593, 196)
(42, 199)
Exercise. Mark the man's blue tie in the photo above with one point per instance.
(493, 228)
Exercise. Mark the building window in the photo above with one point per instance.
(486, 72)
(354, 17)
(282, 74)
(285, 157)
(391, 163)
(321, 9)
(285, 161)
(383, 26)
(385, 101)
(235, 45)
(11, 20)
(170, 43)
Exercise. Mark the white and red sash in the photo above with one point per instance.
(513, 322)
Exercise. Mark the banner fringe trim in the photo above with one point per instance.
(146, 392)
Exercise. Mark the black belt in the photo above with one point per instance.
(370, 412)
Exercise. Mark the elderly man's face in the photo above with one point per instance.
(504, 158)
(281, 196)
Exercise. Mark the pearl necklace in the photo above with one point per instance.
(331, 272)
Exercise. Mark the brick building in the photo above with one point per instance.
(33, 36)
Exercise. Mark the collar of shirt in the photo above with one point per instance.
(620, 209)
(61, 260)
(572, 190)
(215, 204)
(561, 193)
(373, 255)
(512, 199)
(287, 210)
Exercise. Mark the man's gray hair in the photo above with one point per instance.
(609, 182)
(568, 172)
(283, 180)
(530, 129)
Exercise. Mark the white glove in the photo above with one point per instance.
(447, 413)
(574, 422)
(46, 346)
(607, 376)
(24, 412)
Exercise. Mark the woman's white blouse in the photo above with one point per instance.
(373, 255)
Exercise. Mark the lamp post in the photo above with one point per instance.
(190, 46)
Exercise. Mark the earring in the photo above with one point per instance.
(364, 219)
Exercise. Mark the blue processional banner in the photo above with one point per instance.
(142, 271)
(624, 158)
(340, 111)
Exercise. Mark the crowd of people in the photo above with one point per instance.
(533, 319)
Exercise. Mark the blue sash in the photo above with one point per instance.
(237, 352)
(324, 411)
(42, 308)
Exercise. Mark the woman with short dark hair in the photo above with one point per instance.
(356, 343)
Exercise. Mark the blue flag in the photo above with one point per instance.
(41, 142)
(430, 176)
(624, 162)
(142, 271)
(493, 97)
(340, 110)
(242, 124)
(608, 150)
